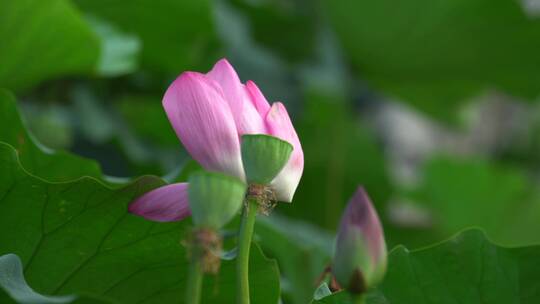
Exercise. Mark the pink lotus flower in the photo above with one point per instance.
(210, 112)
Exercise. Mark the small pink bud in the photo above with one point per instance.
(360, 252)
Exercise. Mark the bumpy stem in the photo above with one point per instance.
(244, 243)
(195, 279)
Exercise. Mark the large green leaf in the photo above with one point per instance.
(43, 39)
(12, 282)
(53, 166)
(475, 192)
(175, 35)
(450, 51)
(465, 269)
(77, 238)
(14, 289)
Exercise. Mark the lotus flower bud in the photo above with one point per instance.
(264, 157)
(360, 252)
(214, 198)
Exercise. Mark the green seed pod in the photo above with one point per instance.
(264, 156)
(214, 198)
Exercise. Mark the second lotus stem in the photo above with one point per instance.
(195, 279)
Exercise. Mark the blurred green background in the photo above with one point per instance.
(431, 105)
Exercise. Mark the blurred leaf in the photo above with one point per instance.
(465, 269)
(451, 51)
(98, 124)
(474, 192)
(523, 149)
(249, 58)
(77, 237)
(340, 154)
(175, 35)
(49, 123)
(145, 115)
(94, 120)
(43, 40)
(295, 21)
(119, 51)
(52, 165)
(123, 133)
